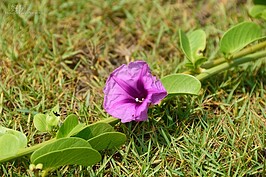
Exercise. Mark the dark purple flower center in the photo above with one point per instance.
(142, 92)
(138, 93)
(139, 100)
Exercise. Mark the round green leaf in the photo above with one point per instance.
(39, 122)
(107, 140)
(240, 36)
(70, 127)
(9, 145)
(66, 151)
(22, 139)
(181, 84)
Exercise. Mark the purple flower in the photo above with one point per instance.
(129, 91)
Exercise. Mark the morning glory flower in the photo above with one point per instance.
(129, 91)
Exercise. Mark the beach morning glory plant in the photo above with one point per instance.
(129, 91)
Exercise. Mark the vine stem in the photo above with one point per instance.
(232, 63)
(202, 76)
(246, 51)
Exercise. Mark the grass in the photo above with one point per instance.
(63, 51)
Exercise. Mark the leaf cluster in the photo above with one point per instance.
(232, 46)
(75, 144)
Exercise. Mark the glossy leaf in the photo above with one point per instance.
(93, 130)
(107, 140)
(70, 127)
(240, 36)
(66, 151)
(181, 84)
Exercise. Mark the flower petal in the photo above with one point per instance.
(124, 112)
(141, 113)
(130, 90)
(114, 95)
(158, 92)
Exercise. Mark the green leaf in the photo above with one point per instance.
(66, 151)
(107, 140)
(39, 122)
(200, 61)
(263, 15)
(69, 156)
(9, 145)
(70, 127)
(22, 139)
(239, 36)
(197, 41)
(60, 144)
(45, 122)
(193, 44)
(53, 117)
(185, 46)
(51, 121)
(93, 130)
(257, 10)
(55, 111)
(181, 84)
